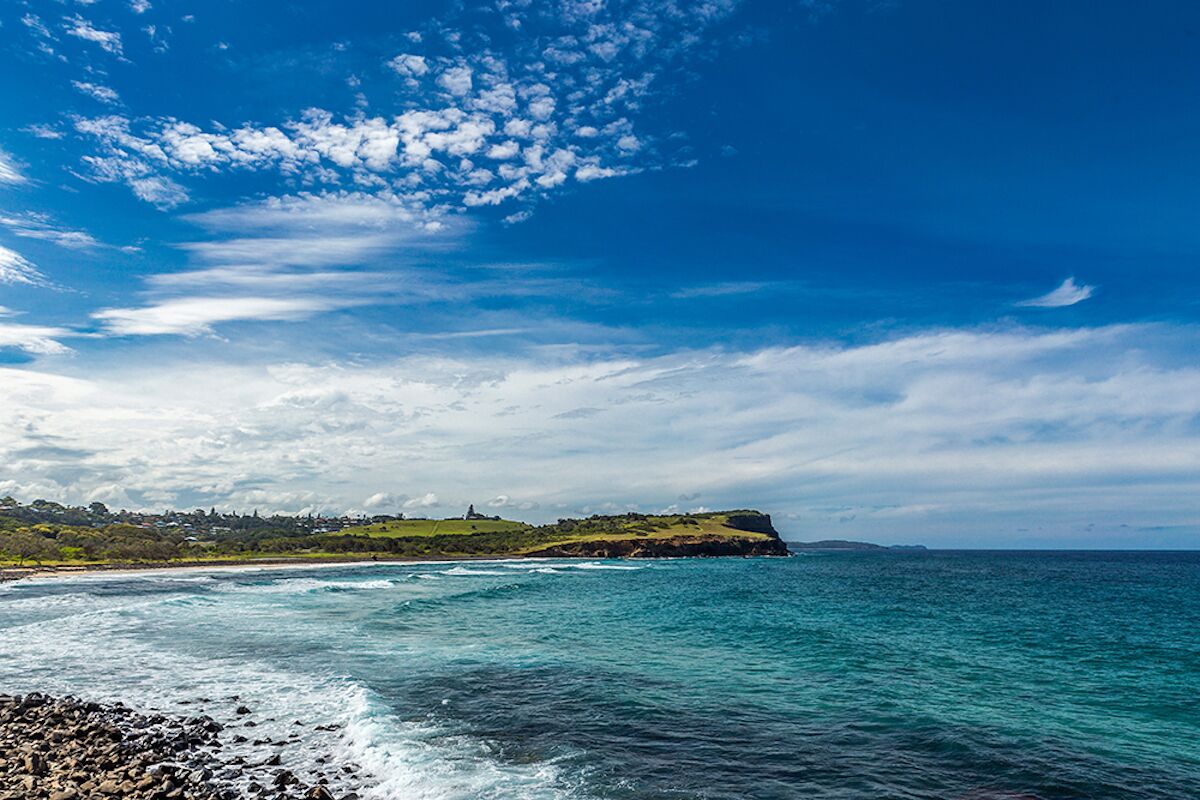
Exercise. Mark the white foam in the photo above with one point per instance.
(460, 571)
(431, 761)
(309, 585)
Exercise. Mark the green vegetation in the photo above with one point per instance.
(94, 536)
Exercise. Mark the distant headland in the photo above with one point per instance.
(843, 544)
(49, 536)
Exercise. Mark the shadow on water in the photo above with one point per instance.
(629, 744)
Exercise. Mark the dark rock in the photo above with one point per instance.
(67, 749)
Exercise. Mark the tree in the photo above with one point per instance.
(26, 545)
(99, 509)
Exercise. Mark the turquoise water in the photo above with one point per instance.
(941, 674)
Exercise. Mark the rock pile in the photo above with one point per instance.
(68, 749)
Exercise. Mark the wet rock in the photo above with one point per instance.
(67, 749)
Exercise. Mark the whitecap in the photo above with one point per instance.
(460, 571)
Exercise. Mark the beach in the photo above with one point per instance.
(14, 573)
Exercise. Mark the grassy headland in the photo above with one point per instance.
(49, 535)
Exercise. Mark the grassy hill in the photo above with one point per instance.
(625, 535)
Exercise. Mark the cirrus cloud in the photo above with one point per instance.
(1068, 293)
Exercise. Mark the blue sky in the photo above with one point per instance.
(905, 271)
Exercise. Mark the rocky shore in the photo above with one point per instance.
(68, 749)
(675, 547)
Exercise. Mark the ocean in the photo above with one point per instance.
(844, 675)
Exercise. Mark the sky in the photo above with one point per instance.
(894, 271)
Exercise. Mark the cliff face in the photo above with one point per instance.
(753, 521)
(682, 545)
(674, 547)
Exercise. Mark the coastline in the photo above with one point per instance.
(620, 549)
(9, 574)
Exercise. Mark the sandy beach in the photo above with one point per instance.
(39, 572)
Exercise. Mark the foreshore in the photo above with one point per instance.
(68, 749)
(20, 573)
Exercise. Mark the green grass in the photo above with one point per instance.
(433, 527)
(66, 545)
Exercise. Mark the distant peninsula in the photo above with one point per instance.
(48, 536)
(843, 544)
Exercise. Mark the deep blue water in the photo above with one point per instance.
(859, 675)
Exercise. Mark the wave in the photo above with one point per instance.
(464, 571)
(436, 760)
(310, 585)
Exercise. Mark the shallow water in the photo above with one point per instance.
(948, 675)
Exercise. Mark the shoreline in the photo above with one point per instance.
(9, 574)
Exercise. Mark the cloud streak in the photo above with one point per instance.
(16, 269)
(1068, 293)
(9, 174)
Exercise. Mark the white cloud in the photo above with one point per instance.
(102, 93)
(38, 226)
(502, 103)
(427, 500)
(409, 66)
(1067, 294)
(157, 190)
(593, 172)
(8, 170)
(34, 23)
(456, 80)
(15, 268)
(629, 144)
(288, 258)
(940, 434)
(43, 132)
(724, 289)
(139, 6)
(502, 151)
(112, 495)
(382, 500)
(39, 340)
(192, 316)
(77, 26)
